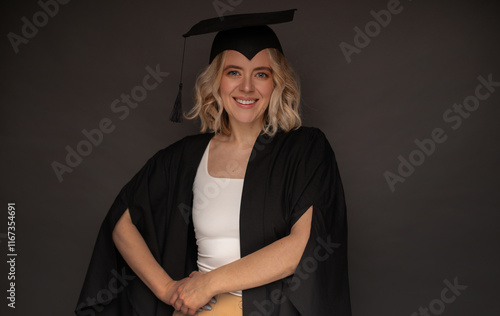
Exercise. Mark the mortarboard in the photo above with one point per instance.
(245, 33)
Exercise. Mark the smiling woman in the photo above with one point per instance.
(246, 87)
(232, 70)
(234, 221)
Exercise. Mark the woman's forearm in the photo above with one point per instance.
(136, 253)
(273, 262)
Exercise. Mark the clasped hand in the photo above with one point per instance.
(190, 294)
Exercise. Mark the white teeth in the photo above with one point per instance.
(246, 102)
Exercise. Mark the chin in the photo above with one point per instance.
(245, 119)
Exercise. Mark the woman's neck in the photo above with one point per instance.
(244, 135)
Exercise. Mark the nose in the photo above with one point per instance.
(247, 84)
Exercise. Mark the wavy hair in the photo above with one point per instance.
(282, 112)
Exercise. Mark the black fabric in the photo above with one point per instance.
(246, 40)
(285, 175)
(240, 20)
(245, 33)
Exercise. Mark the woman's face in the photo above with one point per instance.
(246, 87)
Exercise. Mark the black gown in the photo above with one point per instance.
(285, 175)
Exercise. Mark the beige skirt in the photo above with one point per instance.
(227, 305)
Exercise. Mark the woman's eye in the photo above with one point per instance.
(233, 73)
(262, 75)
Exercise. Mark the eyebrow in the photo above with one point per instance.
(241, 68)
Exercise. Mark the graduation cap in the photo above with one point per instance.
(245, 33)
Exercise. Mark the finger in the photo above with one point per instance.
(178, 305)
(179, 289)
(185, 310)
(173, 298)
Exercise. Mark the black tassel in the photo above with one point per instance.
(176, 115)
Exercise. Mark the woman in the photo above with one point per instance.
(248, 219)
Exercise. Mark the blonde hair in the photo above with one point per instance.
(283, 109)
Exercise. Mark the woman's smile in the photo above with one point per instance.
(245, 103)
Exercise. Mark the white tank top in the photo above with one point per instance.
(216, 218)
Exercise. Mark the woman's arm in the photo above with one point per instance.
(136, 253)
(273, 262)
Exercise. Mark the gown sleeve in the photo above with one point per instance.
(110, 286)
(320, 284)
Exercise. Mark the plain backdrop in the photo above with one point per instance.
(440, 223)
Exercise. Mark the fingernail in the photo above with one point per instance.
(208, 307)
(213, 300)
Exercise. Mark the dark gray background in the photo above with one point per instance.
(440, 224)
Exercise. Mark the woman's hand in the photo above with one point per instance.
(193, 293)
(169, 289)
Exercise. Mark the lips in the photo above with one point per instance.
(245, 102)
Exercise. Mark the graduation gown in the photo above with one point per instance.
(285, 175)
